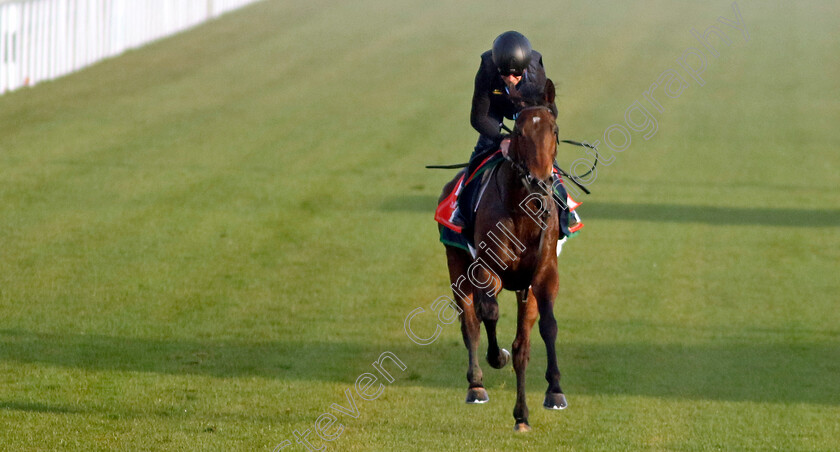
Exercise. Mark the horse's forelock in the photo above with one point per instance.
(529, 95)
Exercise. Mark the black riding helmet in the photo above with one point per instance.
(511, 53)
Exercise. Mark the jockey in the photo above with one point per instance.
(511, 63)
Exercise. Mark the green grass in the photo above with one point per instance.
(205, 241)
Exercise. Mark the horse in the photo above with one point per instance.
(515, 235)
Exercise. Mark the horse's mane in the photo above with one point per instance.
(531, 94)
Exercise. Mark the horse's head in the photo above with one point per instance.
(533, 144)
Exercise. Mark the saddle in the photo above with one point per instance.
(462, 198)
(465, 197)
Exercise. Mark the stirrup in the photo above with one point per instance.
(574, 222)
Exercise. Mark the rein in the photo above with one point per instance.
(535, 186)
(575, 180)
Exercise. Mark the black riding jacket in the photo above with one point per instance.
(491, 102)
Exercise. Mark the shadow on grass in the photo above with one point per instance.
(780, 373)
(662, 213)
(296, 360)
(411, 203)
(803, 372)
(33, 407)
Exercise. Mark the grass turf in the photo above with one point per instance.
(205, 241)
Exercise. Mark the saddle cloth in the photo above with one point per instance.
(463, 194)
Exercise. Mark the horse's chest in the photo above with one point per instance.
(518, 276)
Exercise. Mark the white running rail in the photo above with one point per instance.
(45, 39)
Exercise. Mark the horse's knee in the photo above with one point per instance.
(488, 309)
(521, 352)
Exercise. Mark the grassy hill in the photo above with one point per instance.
(204, 242)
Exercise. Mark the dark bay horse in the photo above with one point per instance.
(515, 235)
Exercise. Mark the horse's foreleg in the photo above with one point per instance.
(525, 317)
(488, 312)
(554, 398)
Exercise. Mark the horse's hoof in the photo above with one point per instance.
(522, 427)
(505, 358)
(555, 401)
(477, 395)
(502, 359)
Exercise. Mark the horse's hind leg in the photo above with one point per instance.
(525, 317)
(487, 286)
(458, 261)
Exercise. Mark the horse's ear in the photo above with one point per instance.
(549, 91)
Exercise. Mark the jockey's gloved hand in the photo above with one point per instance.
(504, 145)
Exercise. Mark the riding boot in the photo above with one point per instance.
(483, 149)
(570, 221)
(458, 218)
(574, 222)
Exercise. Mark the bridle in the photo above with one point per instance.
(535, 187)
(557, 140)
(531, 183)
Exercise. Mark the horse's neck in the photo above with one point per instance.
(513, 192)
